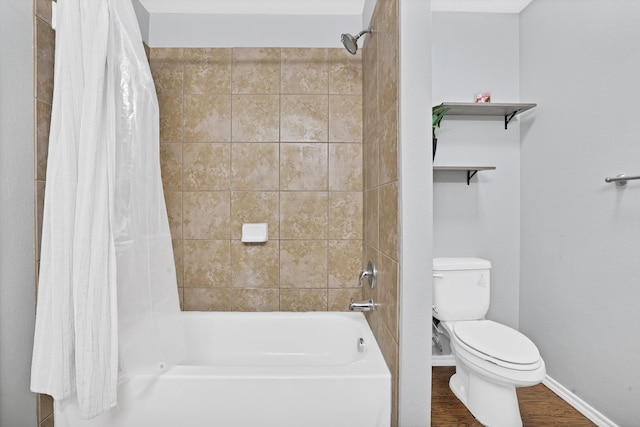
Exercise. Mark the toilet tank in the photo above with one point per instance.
(461, 288)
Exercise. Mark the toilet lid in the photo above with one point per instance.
(497, 341)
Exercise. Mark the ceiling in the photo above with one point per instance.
(273, 23)
(489, 6)
(255, 7)
(316, 7)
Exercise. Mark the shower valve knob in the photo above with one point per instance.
(370, 274)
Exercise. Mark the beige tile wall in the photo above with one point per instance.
(263, 135)
(380, 100)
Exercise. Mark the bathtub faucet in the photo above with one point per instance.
(362, 305)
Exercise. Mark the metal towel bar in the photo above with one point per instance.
(621, 179)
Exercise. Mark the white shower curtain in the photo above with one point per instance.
(107, 295)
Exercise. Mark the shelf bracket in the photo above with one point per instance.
(471, 174)
(508, 117)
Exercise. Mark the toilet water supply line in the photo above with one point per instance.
(435, 331)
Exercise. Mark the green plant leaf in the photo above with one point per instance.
(437, 114)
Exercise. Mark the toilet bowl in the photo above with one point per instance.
(491, 359)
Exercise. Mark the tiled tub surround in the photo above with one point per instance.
(259, 369)
(263, 135)
(381, 179)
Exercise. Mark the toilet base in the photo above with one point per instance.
(493, 404)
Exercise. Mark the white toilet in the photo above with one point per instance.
(491, 359)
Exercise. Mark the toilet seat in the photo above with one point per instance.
(498, 344)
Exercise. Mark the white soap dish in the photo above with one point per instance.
(255, 233)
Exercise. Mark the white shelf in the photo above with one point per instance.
(507, 110)
(471, 170)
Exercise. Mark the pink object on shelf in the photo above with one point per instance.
(483, 97)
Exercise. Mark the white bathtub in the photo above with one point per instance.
(277, 369)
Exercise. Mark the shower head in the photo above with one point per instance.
(351, 42)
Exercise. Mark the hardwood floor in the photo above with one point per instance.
(539, 406)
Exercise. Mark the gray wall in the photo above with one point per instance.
(472, 53)
(416, 231)
(17, 312)
(580, 268)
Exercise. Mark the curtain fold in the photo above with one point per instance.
(107, 295)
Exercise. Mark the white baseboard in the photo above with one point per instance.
(580, 405)
(443, 360)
